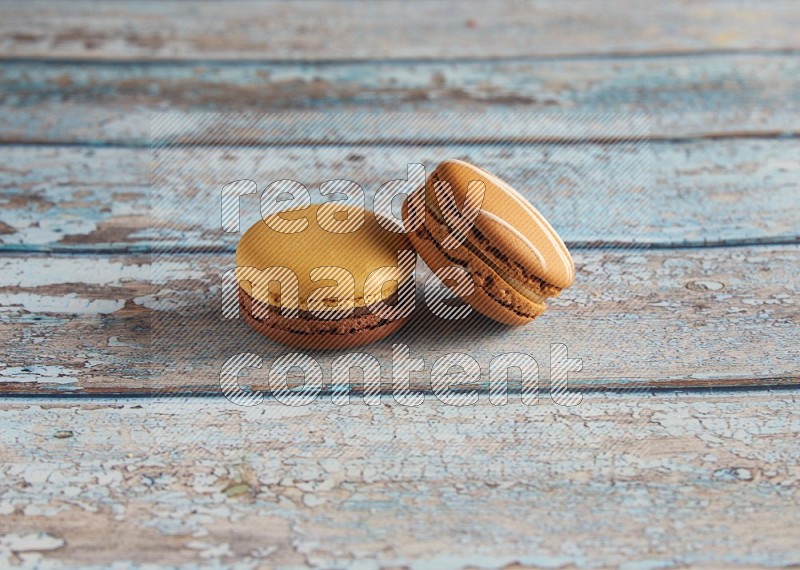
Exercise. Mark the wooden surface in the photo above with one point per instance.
(364, 30)
(67, 199)
(697, 480)
(641, 319)
(688, 96)
(683, 450)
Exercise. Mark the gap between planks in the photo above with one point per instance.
(477, 59)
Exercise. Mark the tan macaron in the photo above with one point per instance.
(515, 258)
(325, 277)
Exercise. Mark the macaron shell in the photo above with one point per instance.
(329, 307)
(492, 296)
(359, 252)
(521, 238)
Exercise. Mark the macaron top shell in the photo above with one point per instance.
(509, 228)
(319, 257)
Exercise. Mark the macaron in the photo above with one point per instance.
(467, 217)
(325, 277)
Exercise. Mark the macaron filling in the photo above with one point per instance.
(485, 279)
(307, 323)
(482, 279)
(538, 295)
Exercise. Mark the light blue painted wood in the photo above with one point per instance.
(364, 29)
(101, 103)
(433, 487)
(665, 319)
(657, 320)
(659, 195)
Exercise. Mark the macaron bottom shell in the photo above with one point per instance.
(492, 296)
(313, 333)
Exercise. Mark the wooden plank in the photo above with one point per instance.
(736, 191)
(364, 30)
(700, 96)
(599, 485)
(638, 319)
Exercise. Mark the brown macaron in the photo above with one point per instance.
(325, 277)
(466, 217)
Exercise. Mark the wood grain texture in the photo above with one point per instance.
(639, 476)
(653, 481)
(365, 30)
(638, 320)
(710, 95)
(689, 193)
